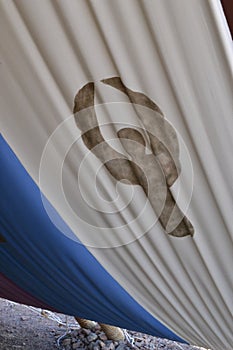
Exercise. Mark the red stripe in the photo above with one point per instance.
(9, 290)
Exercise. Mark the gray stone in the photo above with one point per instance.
(66, 341)
(96, 347)
(121, 342)
(92, 337)
(109, 346)
(138, 343)
(75, 333)
(101, 343)
(86, 331)
(24, 318)
(79, 343)
(121, 347)
(102, 336)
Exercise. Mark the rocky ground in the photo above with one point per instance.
(27, 329)
(24, 329)
(96, 340)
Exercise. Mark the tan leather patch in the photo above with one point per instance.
(162, 164)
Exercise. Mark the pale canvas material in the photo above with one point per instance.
(178, 54)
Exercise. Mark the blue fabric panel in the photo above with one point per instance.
(55, 269)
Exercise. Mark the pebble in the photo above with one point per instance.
(101, 343)
(91, 337)
(109, 347)
(9, 331)
(24, 318)
(121, 347)
(96, 347)
(94, 339)
(66, 341)
(86, 331)
(103, 336)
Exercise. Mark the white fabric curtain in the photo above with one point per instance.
(179, 54)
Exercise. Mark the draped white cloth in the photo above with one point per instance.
(179, 53)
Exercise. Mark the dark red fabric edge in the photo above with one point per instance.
(228, 10)
(9, 290)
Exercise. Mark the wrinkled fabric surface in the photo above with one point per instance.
(143, 240)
